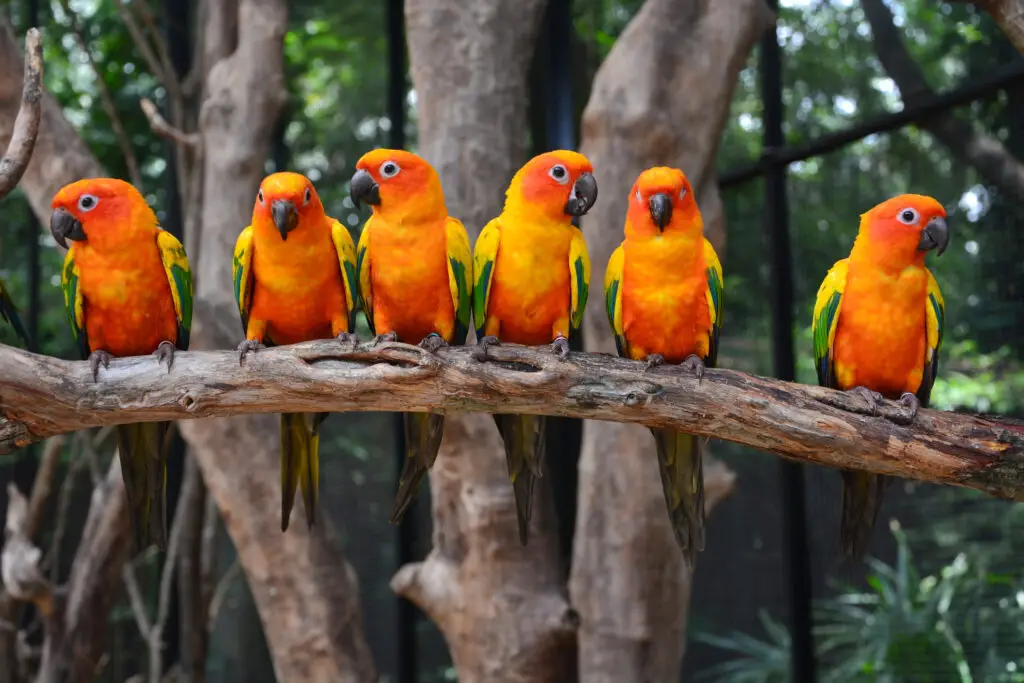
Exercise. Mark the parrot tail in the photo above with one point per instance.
(142, 449)
(423, 432)
(300, 463)
(9, 312)
(862, 499)
(523, 436)
(682, 477)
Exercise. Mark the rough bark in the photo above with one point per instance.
(501, 607)
(661, 97)
(26, 124)
(983, 151)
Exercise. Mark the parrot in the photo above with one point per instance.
(294, 276)
(663, 295)
(415, 281)
(128, 291)
(532, 274)
(9, 314)
(877, 327)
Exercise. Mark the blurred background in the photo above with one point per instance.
(828, 118)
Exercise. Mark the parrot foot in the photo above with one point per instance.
(433, 342)
(912, 404)
(246, 347)
(97, 358)
(560, 347)
(387, 337)
(653, 361)
(348, 338)
(872, 398)
(694, 364)
(483, 344)
(165, 352)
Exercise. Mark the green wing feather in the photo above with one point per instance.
(242, 276)
(179, 276)
(346, 250)
(363, 269)
(935, 323)
(613, 298)
(485, 253)
(715, 294)
(9, 313)
(826, 317)
(579, 278)
(74, 302)
(460, 277)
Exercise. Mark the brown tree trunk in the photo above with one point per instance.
(661, 97)
(502, 608)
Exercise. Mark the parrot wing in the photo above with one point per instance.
(935, 322)
(9, 313)
(485, 253)
(363, 268)
(179, 277)
(346, 249)
(579, 278)
(242, 275)
(613, 298)
(460, 276)
(716, 288)
(74, 301)
(826, 317)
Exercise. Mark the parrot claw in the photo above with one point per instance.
(560, 347)
(694, 364)
(165, 352)
(483, 344)
(246, 347)
(912, 404)
(653, 361)
(872, 398)
(348, 338)
(433, 342)
(387, 337)
(97, 358)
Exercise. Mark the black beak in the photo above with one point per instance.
(285, 216)
(583, 195)
(364, 188)
(661, 209)
(935, 236)
(64, 227)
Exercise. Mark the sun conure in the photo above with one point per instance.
(878, 322)
(128, 290)
(532, 279)
(9, 314)
(294, 271)
(415, 281)
(663, 295)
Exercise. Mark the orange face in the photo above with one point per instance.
(397, 184)
(106, 212)
(906, 227)
(560, 184)
(284, 199)
(662, 201)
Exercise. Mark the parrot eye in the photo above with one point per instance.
(908, 217)
(259, 196)
(559, 173)
(389, 169)
(88, 202)
(308, 197)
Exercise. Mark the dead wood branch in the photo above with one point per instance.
(26, 125)
(160, 126)
(42, 396)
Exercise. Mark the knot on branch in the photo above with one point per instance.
(615, 393)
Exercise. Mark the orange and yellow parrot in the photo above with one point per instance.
(878, 322)
(663, 295)
(9, 314)
(128, 290)
(415, 280)
(294, 272)
(532, 280)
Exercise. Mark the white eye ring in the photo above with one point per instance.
(259, 196)
(389, 169)
(559, 173)
(908, 216)
(88, 202)
(308, 197)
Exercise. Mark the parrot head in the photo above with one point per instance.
(398, 185)
(662, 201)
(105, 212)
(560, 184)
(283, 200)
(903, 229)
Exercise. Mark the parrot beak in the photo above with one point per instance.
(661, 210)
(364, 188)
(935, 236)
(285, 215)
(64, 227)
(583, 196)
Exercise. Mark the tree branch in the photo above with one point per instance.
(42, 396)
(160, 126)
(26, 125)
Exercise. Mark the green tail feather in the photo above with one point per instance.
(142, 449)
(423, 433)
(300, 463)
(9, 313)
(523, 436)
(862, 500)
(682, 478)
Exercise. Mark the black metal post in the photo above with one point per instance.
(776, 212)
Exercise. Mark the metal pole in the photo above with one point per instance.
(784, 364)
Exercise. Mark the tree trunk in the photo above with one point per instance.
(661, 97)
(501, 607)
